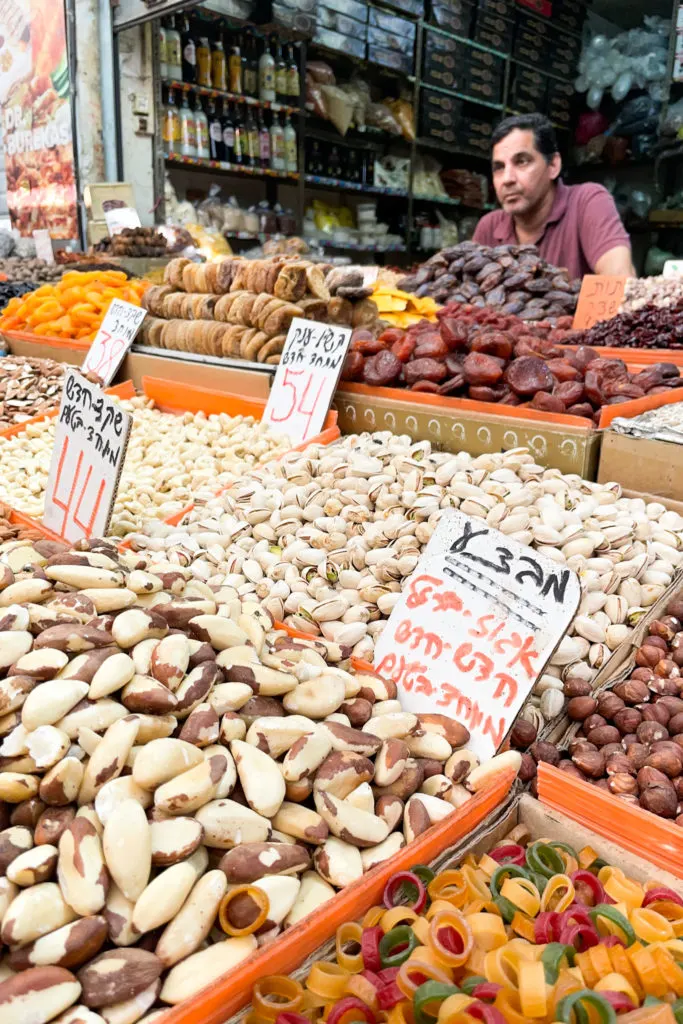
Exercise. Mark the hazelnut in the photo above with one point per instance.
(678, 786)
(609, 704)
(667, 669)
(612, 748)
(679, 820)
(570, 768)
(527, 769)
(622, 784)
(648, 656)
(660, 800)
(674, 705)
(579, 708)
(668, 687)
(675, 607)
(651, 777)
(619, 763)
(656, 641)
(677, 654)
(627, 720)
(662, 630)
(628, 739)
(650, 732)
(603, 784)
(672, 622)
(593, 722)
(677, 641)
(590, 762)
(632, 691)
(644, 675)
(576, 688)
(637, 755)
(666, 761)
(675, 723)
(523, 734)
(678, 740)
(603, 735)
(655, 713)
(545, 752)
(580, 743)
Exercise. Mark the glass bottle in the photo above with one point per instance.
(252, 134)
(163, 51)
(202, 123)
(291, 148)
(293, 82)
(174, 60)
(250, 67)
(280, 74)
(235, 67)
(215, 133)
(266, 70)
(228, 135)
(264, 142)
(241, 142)
(277, 145)
(188, 129)
(334, 164)
(204, 63)
(171, 127)
(189, 52)
(218, 65)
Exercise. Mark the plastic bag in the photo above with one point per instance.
(315, 101)
(404, 114)
(381, 116)
(339, 107)
(320, 71)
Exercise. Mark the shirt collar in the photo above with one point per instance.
(504, 231)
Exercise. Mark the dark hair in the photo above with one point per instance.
(544, 133)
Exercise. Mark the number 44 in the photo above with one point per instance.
(299, 406)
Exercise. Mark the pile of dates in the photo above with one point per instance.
(631, 737)
(510, 278)
(648, 327)
(488, 357)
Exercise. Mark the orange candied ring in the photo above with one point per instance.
(449, 921)
(349, 934)
(448, 885)
(260, 899)
(275, 995)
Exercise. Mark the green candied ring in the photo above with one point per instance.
(552, 957)
(567, 849)
(428, 993)
(606, 911)
(467, 985)
(506, 906)
(399, 936)
(425, 874)
(573, 1002)
(541, 858)
(677, 1010)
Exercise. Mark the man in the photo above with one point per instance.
(574, 226)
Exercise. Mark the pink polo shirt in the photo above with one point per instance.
(583, 225)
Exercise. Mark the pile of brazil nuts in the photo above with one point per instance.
(326, 538)
(168, 458)
(631, 737)
(28, 387)
(162, 745)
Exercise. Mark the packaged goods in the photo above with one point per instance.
(529, 930)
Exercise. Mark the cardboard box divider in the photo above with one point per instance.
(653, 462)
(541, 821)
(226, 996)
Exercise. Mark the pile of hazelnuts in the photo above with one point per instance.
(631, 737)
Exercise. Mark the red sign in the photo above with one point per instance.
(599, 299)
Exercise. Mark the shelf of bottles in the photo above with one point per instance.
(217, 87)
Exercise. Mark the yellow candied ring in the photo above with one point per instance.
(455, 920)
(620, 888)
(617, 983)
(586, 856)
(553, 898)
(373, 916)
(621, 964)
(523, 926)
(646, 968)
(672, 912)
(397, 1015)
(488, 865)
(532, 988)
(507, 1002)
(258, 896)
(476, 883)
(488, 931)
(396, 916)
(523, 894)
(481, 907)
(349, 933)
(669, 969)
(449, 886)
(275, 995)
(359, 986)
(500, 969)
(426, 967)
(327, 980)
(651, 926)
(453, 1009)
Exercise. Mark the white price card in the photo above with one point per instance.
(87, 459)
(120, 218)
(306, 378)
(43, 242)
(114, 338)
(476, 623)
(673, 268)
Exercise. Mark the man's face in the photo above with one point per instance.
(522, 176)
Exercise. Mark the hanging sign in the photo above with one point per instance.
(113, 340)
(306, 378)
(87, 459)
(474, 628)
(600, 297)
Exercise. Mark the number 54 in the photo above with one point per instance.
(299, 406)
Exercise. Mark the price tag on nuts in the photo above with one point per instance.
(113, 340)
(474, 627)
(121, 217)
(600, 297)
(43, 242)
(87, 459)
(306, 378)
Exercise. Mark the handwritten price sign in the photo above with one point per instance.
(599, 299)
(90, 446)
(121, 217)
(114, 338)
(306, 378)
(43, 245)
(474, 628)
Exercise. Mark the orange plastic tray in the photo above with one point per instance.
(39, 339)
(639, 356)
(227, 995)
(621, 823)
(638, 405)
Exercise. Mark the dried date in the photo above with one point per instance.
(424, 369)
(482, 369)
(382, 369)
(570, 392)
(562, 370)
(493, 343)
(431, 347)
(547, 403)
(528, 375)
(353, 366)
